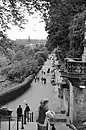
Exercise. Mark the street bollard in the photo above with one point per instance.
(22, 127)
(0, 122)
(9, 122)
(32, 116)
(24, 117)
(17, 123)
(47, 127)
(28, 117)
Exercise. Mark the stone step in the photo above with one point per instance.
(30, 126)
(13, 126)
(59, 118)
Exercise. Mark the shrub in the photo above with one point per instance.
(16, 72)
(40, 61)
(29, 52)
(41, 54)
(22, 69)
(5, 70)
(33, 66)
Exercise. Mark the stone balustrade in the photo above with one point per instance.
(76, 69)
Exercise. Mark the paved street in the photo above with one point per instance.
(37, 92)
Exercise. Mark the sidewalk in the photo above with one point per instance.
(56, 103)
(28, 126)
(61, 126)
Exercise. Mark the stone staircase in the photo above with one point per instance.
(81, 115)
(59, 118)
(28, 126)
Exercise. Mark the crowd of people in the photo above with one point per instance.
(43, 78)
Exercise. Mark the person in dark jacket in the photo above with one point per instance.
(44, 80)
(35, 78)
(26, 111)
(19, 112)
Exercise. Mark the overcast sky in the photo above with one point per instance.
(34, 28)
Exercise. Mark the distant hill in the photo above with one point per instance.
(30, 41)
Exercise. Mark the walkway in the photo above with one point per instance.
(37, 92)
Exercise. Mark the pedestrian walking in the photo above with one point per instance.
(19, 112)
(38, 79)
(48, 71)
(42, 72)
(41, 119)
(26, 112)
(35, 78)
(44, 80)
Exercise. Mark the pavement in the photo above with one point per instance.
(55, 102)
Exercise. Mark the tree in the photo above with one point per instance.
(29, 52)
(40, 61)
(76, 34)
(61, 31)
(19, 56)
(13, 11)
(40, 54)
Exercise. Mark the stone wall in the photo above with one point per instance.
(14, 92)
(80, 104)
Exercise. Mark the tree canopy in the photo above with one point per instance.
(65, 26)
(60, 16)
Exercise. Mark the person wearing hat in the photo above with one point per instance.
(41, 120)
(26, 111)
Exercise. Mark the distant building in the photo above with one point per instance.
(30, 42)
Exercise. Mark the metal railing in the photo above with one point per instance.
(18, 122)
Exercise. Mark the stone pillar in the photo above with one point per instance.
(65, 102)
(71, 102)
(84, 54)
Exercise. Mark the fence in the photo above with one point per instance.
(9, 122)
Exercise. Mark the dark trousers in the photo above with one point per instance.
(42, 127)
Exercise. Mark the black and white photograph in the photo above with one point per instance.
(43, 64)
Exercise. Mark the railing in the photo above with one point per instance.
(8, 122)
(76, 69)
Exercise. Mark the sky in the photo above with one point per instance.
(34, 28)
